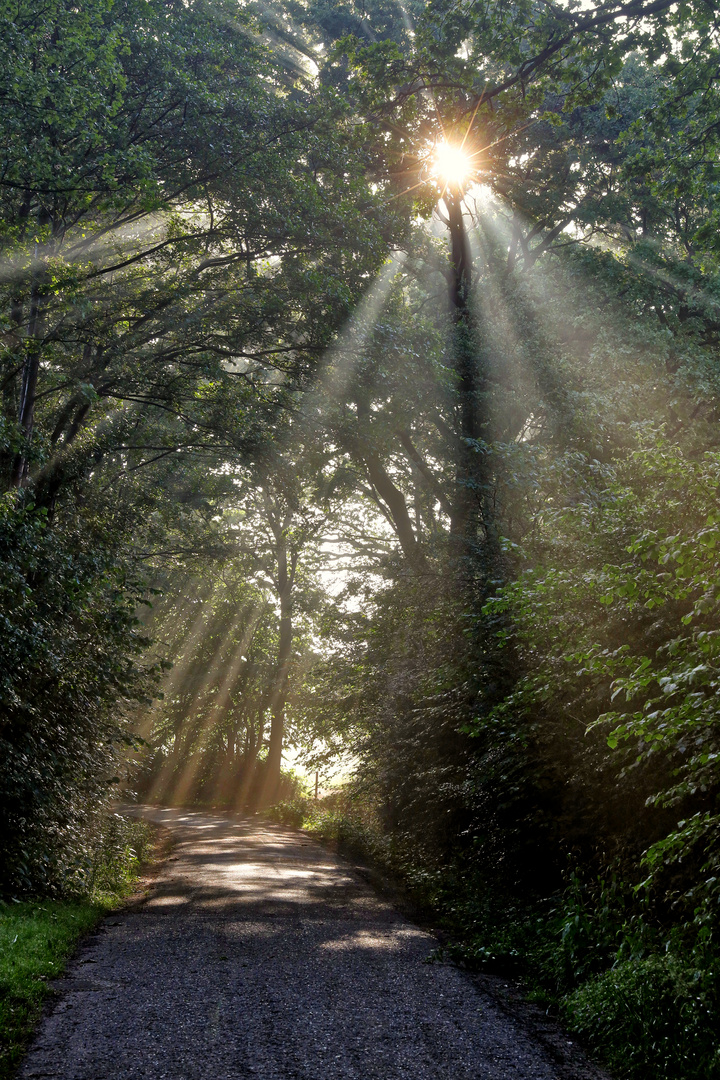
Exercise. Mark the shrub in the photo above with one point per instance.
(291, 812)
(69, 669)
(656, 1017)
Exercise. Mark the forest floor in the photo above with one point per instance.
(258, 953)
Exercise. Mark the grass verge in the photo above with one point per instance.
(38, 937)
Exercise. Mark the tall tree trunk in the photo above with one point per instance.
(277, 719)
(286, 574)
(481, 561)
(475, 504)
(464, 520)
(245, 794)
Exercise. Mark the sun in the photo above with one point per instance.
(451, 163)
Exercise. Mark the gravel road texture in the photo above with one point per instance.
(260, 954)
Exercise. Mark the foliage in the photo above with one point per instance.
(121, 847)
(71, 669)
(630, 617)
(176, 208)
(658, 1013)
(345, 820)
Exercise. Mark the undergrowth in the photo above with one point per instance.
(38, 936)
(641, 990)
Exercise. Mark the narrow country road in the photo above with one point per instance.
(261, 955)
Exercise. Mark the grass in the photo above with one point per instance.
(36, 940)
(38, 937)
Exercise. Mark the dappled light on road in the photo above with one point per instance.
(260, 954)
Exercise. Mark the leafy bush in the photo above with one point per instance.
(655, 1017)
(292, 812)
(69, 670)
(120, 846)
(341, 819)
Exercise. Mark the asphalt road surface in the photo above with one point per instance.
(259, 954)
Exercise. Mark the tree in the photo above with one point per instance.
(172, 199)
(153, 248)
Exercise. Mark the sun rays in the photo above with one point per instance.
(458, 163)
(528, 368)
